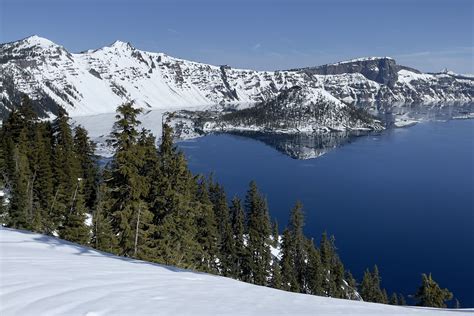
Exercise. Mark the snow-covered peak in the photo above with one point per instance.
(120, 45)
(37, 41)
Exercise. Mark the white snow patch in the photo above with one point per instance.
(43, 275)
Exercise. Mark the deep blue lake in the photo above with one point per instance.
(403, 200)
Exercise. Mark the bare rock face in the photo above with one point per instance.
(379, 69)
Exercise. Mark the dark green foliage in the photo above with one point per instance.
(84, 149)
(103, 237)
(314, 270)
(401, 300)
(74, 228)
(128, 187)
(370, 287)
(224, 226)
(242, 258)
(207, 232)
(429, 293)
(259, 230)
(393, 299)
(276, 278)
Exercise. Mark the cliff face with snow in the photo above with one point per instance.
(96, 81)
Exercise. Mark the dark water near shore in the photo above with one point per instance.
(403, 200)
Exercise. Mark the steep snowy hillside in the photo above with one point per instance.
(42, 275)
(96, 81)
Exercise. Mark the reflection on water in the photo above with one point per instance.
(307, 146)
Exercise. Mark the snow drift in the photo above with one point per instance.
(41, 275)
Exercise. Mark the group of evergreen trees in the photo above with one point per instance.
(146, 204)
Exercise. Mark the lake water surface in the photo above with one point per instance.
(403, 200)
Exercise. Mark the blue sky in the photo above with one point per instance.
(259, 34)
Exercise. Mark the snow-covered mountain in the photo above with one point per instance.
(96, 81)
(43, 275)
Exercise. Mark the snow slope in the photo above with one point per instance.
(42, 275)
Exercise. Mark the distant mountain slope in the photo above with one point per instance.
(96, 81)
(43, 275)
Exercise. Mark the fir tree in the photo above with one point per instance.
(241, 259)
(401, 300)
(276, 278)
(84, 149)
(259, 230)
(429, 293)
(103, 237)
(207, 234)
(74, 228)
(314, 270)
(127, 185)
(393, 299)
(288, 271)
(173, 210)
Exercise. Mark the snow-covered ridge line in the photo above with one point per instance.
(44, 275)
(96, 81)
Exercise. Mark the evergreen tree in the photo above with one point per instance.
(74, 228)
(207, 234)
(314, 271)
(84, 149)
(401, 300)
(259, 230)
(298, 244)
(370, 287)
(429, 293)
(276, 278)
(288, 271)
(393, 299)
(241, 259)
(352, 286)
(173, 209)
(66, 169)
(275, 233)
(103, 237)
(224, 225)
(127, 185)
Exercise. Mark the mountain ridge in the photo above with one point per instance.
(96, 81)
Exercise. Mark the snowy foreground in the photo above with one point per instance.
(41, 275)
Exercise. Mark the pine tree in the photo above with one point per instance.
(127, 185)
(276, 278)
(275, 233)
(393, 299)
(66, 169)
(103, 237)
(224, 226)
(370, 287)
(298, 242)
(288, 271)
(401, 300)
(429, 293)
(241, 259)
(351, 286)
(314, 271)
(84, 149)
(207, 234)
(74, 227)
(259, 230)
(174, 214)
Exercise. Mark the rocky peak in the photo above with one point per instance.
(380, 69)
